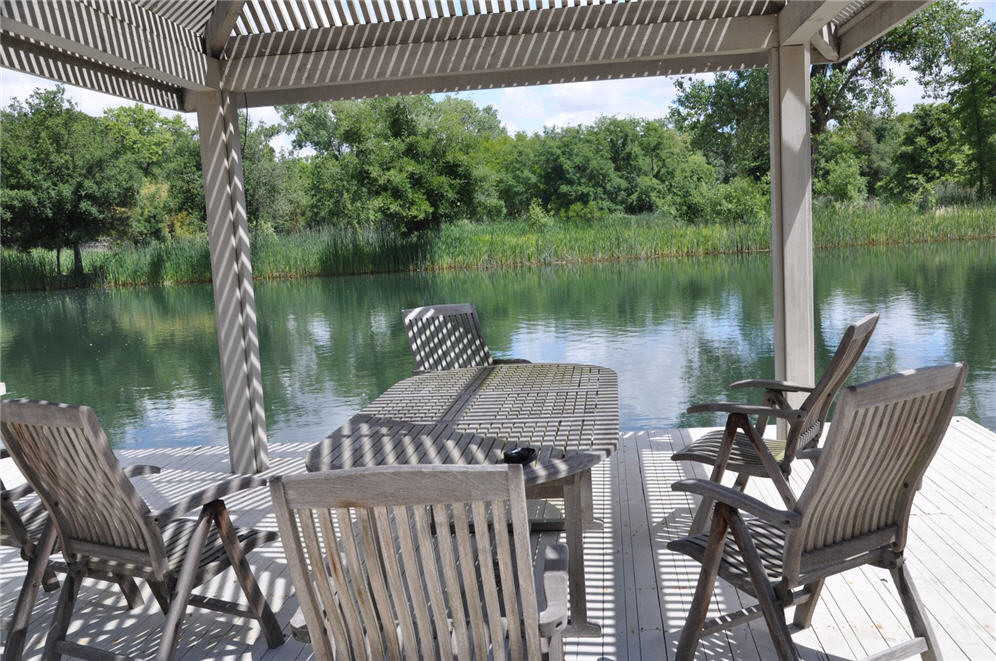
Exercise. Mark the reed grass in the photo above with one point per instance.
(503, 244)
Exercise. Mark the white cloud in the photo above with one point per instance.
(531, 108)
(909, 94)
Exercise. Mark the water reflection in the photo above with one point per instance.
(676, 331)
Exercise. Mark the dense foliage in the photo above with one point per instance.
(408, 166)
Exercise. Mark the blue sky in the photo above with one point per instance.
(520, 109)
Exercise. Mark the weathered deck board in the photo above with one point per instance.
(637, 589)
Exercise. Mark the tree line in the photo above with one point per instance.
(413, 164)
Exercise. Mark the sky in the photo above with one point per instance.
(527, 109)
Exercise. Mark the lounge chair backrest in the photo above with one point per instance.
(63, 453)
(882, 439)
(446, 337)
(817, 405)
(403, 562)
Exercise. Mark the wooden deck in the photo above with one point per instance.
(637, 590)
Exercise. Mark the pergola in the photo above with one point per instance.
(214, 57)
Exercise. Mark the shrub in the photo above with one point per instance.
(537, 218)
(840, 180)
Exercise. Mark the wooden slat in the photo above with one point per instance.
(129, 39)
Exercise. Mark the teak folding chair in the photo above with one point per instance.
(104, 526)
(22, 525)
(444, 337)
(413, 562)
(741, 448)
(854, 511)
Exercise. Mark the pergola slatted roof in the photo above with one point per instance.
(214, 56)
(285, 51)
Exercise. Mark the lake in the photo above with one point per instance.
(676, 331)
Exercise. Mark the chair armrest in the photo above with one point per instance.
(551, 579)
(741, 501)
(137, 470)
(205, 496)
(746, 409)
(510, 361)
(771, 384)
(811, 453)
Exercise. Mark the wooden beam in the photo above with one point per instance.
(800, 20)
(473, 81)
(478, 25)
(871, 24)
(219, 27)
(825, 43)
(131, 38)
(792, 215)
(231, 277)
(33, 58)
(513, 54)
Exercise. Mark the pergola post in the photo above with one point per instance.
(792, 213)
(231, 276)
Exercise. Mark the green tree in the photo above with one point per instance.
(973, 98)
(166, 152)
(728, 119)
(930, 152)
(409, 162)
(276, 197)
(64, 181)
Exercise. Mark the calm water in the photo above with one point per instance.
(676, 331)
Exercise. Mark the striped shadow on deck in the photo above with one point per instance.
(637, 590)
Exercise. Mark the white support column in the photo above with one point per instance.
(792, 213)
(231, 275)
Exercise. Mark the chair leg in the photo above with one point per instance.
(131, 591)
(703, 590)
(733, 422)
(257, 602)
(184, 585)
(38, 571)
(803, 617)
(555, 651)
(774, 613)
(914, 611)
(64, 609)
(50, 582)
(163, 594)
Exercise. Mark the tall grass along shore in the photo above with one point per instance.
(512, 243)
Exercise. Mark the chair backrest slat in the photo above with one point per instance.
(878, 449)
(807, 432)
(409, 579)
(506, 574)
(466, 585)
(435, 587)
(396, 587)
(446, 337)
(63, 452)
(407, 542)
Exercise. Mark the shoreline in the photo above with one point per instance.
(509, 244)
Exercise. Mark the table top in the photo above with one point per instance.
(569, 412)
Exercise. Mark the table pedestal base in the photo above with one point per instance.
(583, 630)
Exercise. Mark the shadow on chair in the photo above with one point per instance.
(104, 527)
